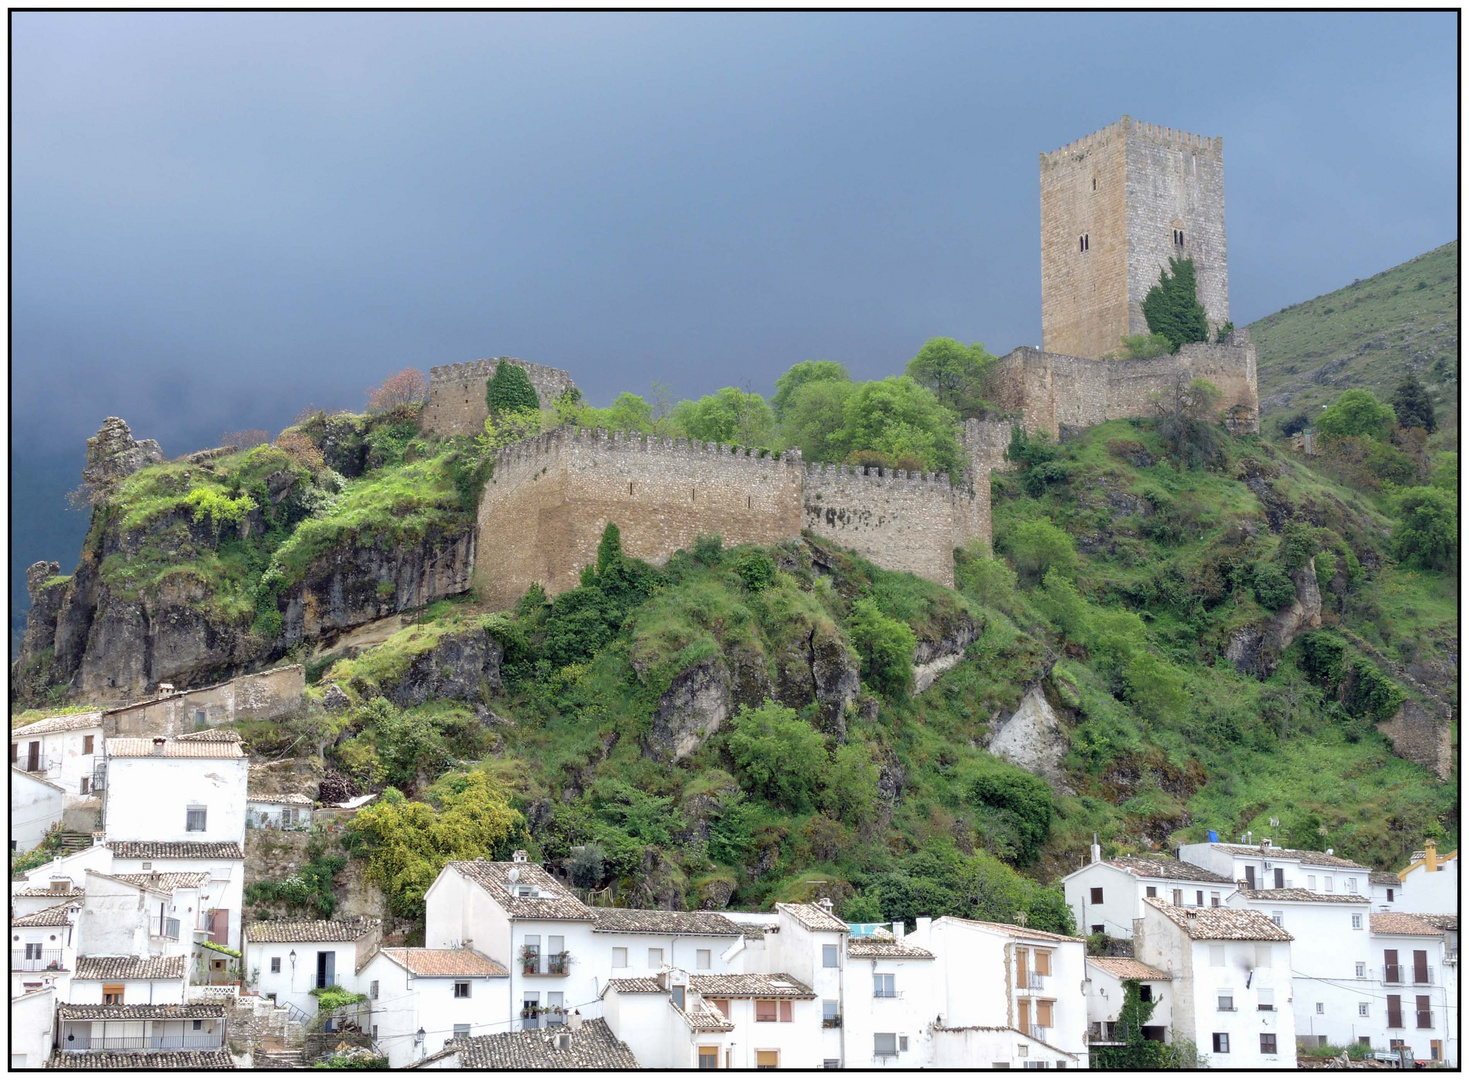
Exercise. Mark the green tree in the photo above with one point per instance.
(813, 417)
(1357, 412)
(1273, 587)
(730, 415)
(1039, 547)
(407, 843)
(1024, 800)
(777, 754)
(1172, 306)
(954, 372)
(509, 390)
(1412, 405)
(804, 374)
(852, 794)
(609, 548)
(900, 421)
(1428, 535)
(1137, 1051)
(628, 412)
(885, 646)
(1187, 420)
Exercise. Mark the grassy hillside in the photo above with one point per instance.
(1369, 334)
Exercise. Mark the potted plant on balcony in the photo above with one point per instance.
(530, 1012)
(54, 965)
(559, 963)
(530, 959)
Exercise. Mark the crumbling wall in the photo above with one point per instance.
(456, 393)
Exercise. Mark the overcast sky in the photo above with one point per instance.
(219, 218)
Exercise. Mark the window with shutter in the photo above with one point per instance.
(765, 1011)
(786, 1012)
(1394, 1011)
(1425, 1012)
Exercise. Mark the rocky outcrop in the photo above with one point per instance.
(1419, 735)
(818, 666)
(1033, 739)
(938, 654)
(46, 601)
(1255, 649)
(351, 586)
(461, 666)
(113, 454)
(692, 708)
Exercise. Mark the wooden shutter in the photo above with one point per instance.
(1024, 1008)
(767, 1059)
(785, 1012)
(1042, 962)
(1043, 1013)
(219, 926)
(1420, 966)
(1394, 1011)
(1390, 966)
(1425, 1012)
(1022, 962)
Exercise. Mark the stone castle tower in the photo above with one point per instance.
(1115, 206)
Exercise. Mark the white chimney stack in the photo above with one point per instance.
(1096, 849)
(519, 855)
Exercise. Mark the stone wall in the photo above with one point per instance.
(263, 696)
(1058, 392)
(1419, 735)
(456, 393)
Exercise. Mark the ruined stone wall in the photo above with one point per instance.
(901, 521)
(456, 393)
(265, 695)
(1054, 393)
(544, 510)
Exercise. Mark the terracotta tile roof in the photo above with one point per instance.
(52, 724)
(649, 921)
(813, 917)
(743, 986)
(289, 800)
(1125, 967)
(71, 893)
(164, 882)
(218, 735)
(878, 949)
(1403, 924)
(131, 967)
(157, 1059)
(635, 986)
(59, 915)
(1010, 930)
(282, 930)
(554, 901)
(1221, 923)
(1448, 921)
(1382, 877)
(1305, 896)
(140, 1012)
(1161, 866)
(175, 849)
(703, 1017)
(593, 1047)
(1315, 858)
(185, 746)
(444, 962)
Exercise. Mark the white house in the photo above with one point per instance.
(1005, 995)
(575, 1045)
(221, 896)
(1430, 881)
(63, 749)
(1106, 895)
(1387, 891)
(641, 943)
(421, 999)
(810, 943)
(1412, 996)
(1104, 997)
(32, 1027)
(36, 805)
(126, 1030)
(130, 980)
(1231, 975)
(288, 958)
(192, 788)
(279, 812)
(1330, 957)
(1265, 866)
(43, 949)
(140, 914)
(518, 911)
(71, 868)
(888, 999)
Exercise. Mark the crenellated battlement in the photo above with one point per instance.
(1128, 127)
(878, 477)
(456, 393)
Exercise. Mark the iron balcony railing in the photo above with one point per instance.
(1038, 1033)
(45, 960)
(168, 928)
(1399, 974)
(1034, 980)
(209, 1041)
(831, 1021)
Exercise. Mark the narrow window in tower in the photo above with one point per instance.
(1094, 183)
(1086, 241)
(629, 487)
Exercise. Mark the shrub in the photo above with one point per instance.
(1357, 412)
(1039, 547)
(1172, 306)
(1029, 451)
(1412, 405)
(509, 390)
(884, 645)
(852, 794)
(1372, 695)
(581, 621)
(1297, 544)
(585, 865)
(1041, 476)
(756, 569)
(1429, 531)
(708, 548)
(777, 755)
(1323, 656)
(1187, 422)
(300, 449)
(398, 392)
(1024, 799)
(1143, 346)
(218, 507)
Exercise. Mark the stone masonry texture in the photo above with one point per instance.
(456, 393)
(1131, 190)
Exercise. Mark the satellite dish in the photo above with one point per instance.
(514, 873)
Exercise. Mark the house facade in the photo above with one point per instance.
(222, 893)
(421, 1000)
(1266, 866)
(1105, 976)
(63, 749)
(36, 805)
(1412, 997)
(1430, 881)
(288, 958)
(1106, 895)
(43, 949)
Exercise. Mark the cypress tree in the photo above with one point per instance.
(1172, 306)
(509, 390)
(1413, 406)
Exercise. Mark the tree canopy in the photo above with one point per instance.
(1172, 306)
(730, 415)
(803, 374)
(954, 372)
(1357, 412)
(509, 390)
(1413, 406)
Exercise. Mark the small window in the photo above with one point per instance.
(86, 784)
(1320, 1008)
(1178, 898)
(1311, 882)
(885, 1044)
(1266, 1000)
(87, 744)
(1096, 896)
(655, 958)
(1279, 878)
(1327, 883)
(112, 994)
(902, 1044)
(461, 1031)
(1389, 894)
(372, 989)
(767, 1059)
(1145, 993)
(1226, 1003)
(882, 986)
(1094, 183)
(1152, 890)
(1278, 918)
(677, 993)
(829, 1013)
(198, 1025)
(1085, 242)
(1351, 884)
(1221, 1042)
(147, 866)
(1098, 928)
(1199, 898)
(831, 1063)
(1178, 238)
(828, 956)
(461, 989)
(619, 958)
(722, 1004)
(1267, 1042)
(708, 1057)
(1356, 922)
(1213, 899)
(195, 821)
(765, 1011)
(275, 965)
(1361, 971)
(703, 959)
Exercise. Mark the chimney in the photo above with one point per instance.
(1430, 856)
(899, 929)
(825, 904)
(574, 1020)
(519, 855)
(158, 745)
(563, 1041)
(1096, 849)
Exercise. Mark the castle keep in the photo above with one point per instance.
(1115, 206)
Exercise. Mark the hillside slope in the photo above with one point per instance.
(1369, 335)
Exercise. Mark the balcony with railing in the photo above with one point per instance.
(1424, 1017)
(84, 1040)
(831, 1021)
(36, 960)
(1038, 1033)
(165, 928)
(1403, 974)
(1033, 980)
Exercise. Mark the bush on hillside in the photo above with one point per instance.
(509, 390)
(1273, 587)
(1038, 548)
(1428, 535)
(1187, 421)
(1023, 799)
(777, 755)
(1357, 412)
(885, 646)
(1412, 405)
